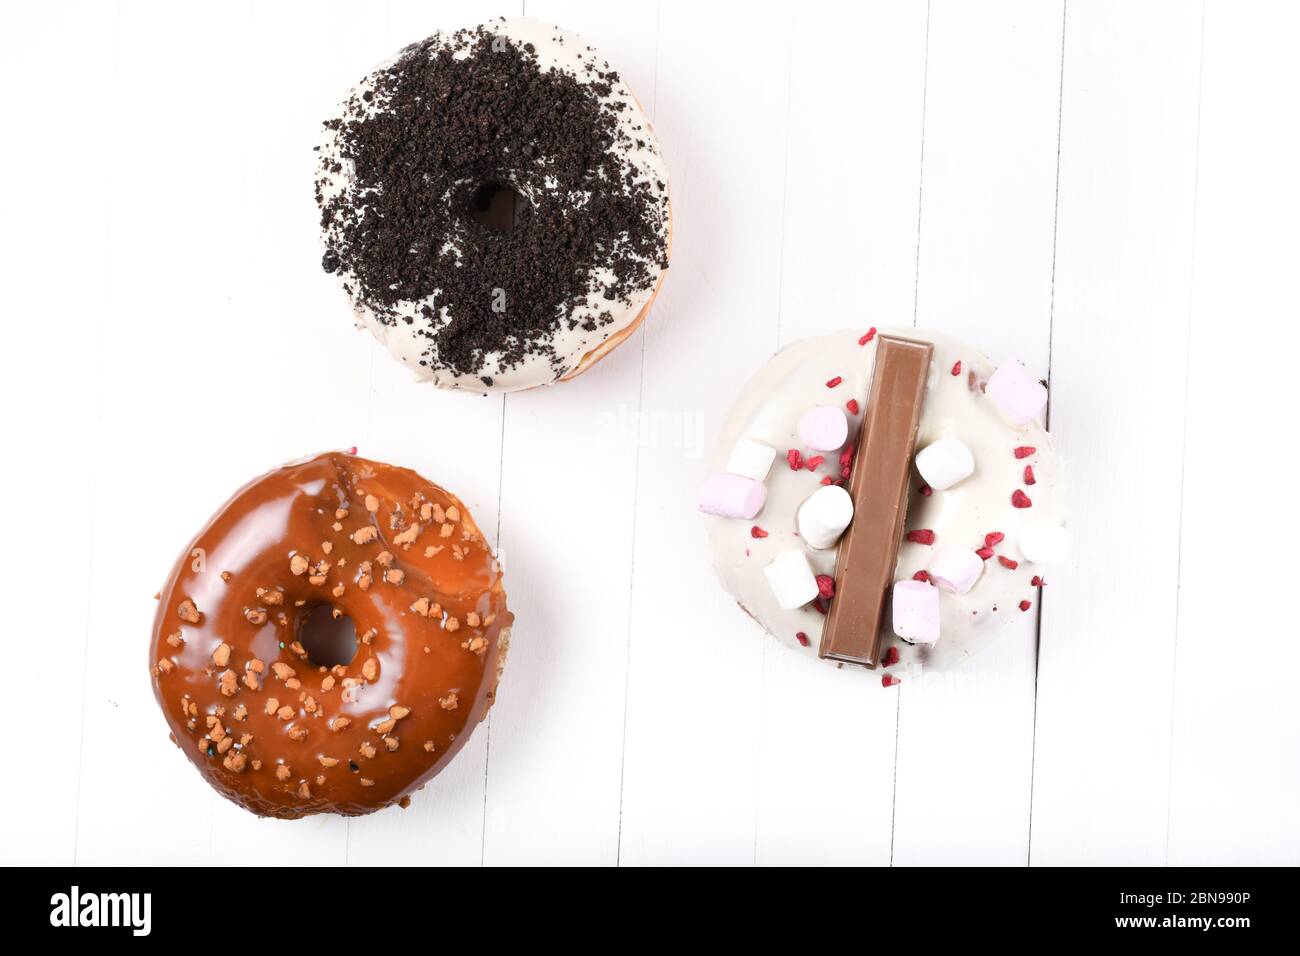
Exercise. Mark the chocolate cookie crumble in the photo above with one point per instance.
(460, 117)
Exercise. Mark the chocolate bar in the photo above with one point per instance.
(864, 570)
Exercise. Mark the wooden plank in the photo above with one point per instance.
(1234, 777)
(855, 137)
(1119, 340)
(988, 207)
(56, 215)
(570, 469)
(216, 353)
(691, 744)
(453, 439)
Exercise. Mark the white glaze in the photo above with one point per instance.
(768, 409)
(559, 50)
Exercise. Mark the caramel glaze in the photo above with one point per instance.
(432, 629)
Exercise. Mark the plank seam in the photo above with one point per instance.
(916, 291)
(501, 484)
(1182, 473)
(90, 556)
(636, 489)
(920, 181)
(780, 314)
(1051, 316)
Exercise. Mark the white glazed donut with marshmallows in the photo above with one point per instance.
(1015, 491)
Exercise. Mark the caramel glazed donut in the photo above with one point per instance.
(495, 204)
(300, 552)
(985, 512)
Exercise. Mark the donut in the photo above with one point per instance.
(495, 204)
(330, 639)
(999, 517)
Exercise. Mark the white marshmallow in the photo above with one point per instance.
(751, 459)
(824, 515)
(956, 569)
(916, 611)
(1044, 543)
(944, 463)
(824, 428)
(731, 496)
(791, 579)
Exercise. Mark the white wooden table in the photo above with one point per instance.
(1108, 191)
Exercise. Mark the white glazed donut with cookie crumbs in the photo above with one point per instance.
(495, 204)
(985, 501)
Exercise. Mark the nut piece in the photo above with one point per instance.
(298, 564)
(449, 702)
(221, 656)
(188, 613)
(283, 670)
(365, 535)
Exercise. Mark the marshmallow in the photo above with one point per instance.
(732, 496)
(1017, 393)
(944, 463)
(916, 611)
(824, 428)
(824, 515)
(1044, 543)
(791, 580)
(956, 569)
(751, 459)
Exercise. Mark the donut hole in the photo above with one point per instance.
(496, 205)
(328, 640)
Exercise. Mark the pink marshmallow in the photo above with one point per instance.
(916, 611)
(956, 569)
(731, 496)
(824, 428)
(1017, 393)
